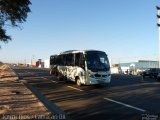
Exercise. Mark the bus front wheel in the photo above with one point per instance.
(78, 81)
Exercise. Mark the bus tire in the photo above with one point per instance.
(78, 82)
(59, 78)
(56, 73)
(51, 72)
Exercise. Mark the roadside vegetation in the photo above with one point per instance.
(12, 14)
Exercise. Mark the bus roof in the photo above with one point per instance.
(53, 55)
(77, 51)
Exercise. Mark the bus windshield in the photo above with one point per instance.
(97, 61)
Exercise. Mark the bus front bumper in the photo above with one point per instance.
(105, 80)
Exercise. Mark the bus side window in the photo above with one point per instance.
(63, 61)
(52, 60)
(79, 60)
(70, 60)
(59, 60)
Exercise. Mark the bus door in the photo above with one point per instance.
(70, 66)
(80, 66)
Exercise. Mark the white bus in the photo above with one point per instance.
(84, 67)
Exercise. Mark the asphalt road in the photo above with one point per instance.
(128, 97)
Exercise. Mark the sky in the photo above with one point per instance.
(125, 29)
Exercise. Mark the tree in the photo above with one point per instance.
(12, 13)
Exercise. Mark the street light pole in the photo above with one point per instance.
(158, 24)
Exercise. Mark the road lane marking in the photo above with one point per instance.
(74, 88)
(126, 105)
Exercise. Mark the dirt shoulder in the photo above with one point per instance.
(16, 100)
(6, 73)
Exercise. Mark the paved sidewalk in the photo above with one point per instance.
(16, 100)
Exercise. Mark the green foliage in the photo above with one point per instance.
(12, 12)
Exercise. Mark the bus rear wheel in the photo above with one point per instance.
(51, 72)
(78, 82)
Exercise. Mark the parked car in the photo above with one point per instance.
(140, 71)
(146, 72)
(152, 72)
(158, 77)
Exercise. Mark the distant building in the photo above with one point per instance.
(133, 67)
(40, 64)
(47, 63)
(28, 64)
(141, 64)
(33, 63)
(116, 70)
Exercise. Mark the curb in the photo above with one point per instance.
(50, 106)
(53, 108)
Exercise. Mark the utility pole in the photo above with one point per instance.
(158, 24)
(25, 62)
(32, 60)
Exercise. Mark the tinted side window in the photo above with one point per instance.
(63, 59)
(60, 60)
(79, 60)
(53, 60)
(70, 59)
